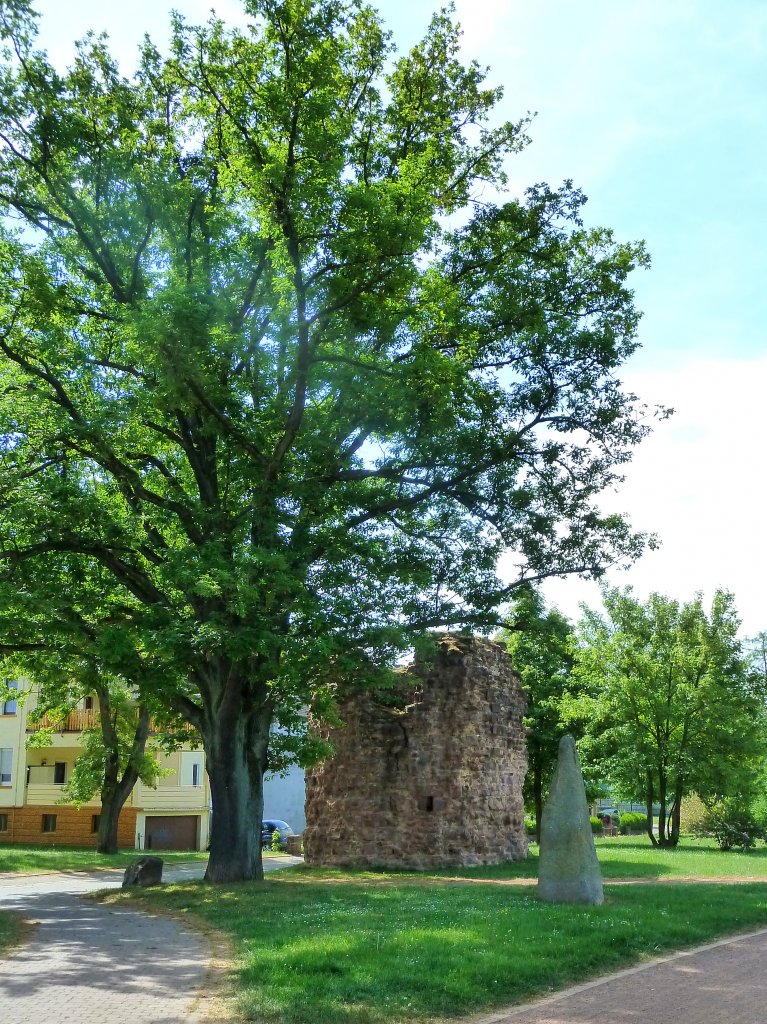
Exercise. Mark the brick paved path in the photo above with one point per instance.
(720, 983)
(90, 964)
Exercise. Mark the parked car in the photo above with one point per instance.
(269, 827)
(612, 812)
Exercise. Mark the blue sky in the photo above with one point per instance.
(658, 111)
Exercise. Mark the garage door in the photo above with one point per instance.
(172, 833)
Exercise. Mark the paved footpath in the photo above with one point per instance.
(720, 983)
(90, 964)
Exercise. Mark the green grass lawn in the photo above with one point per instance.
(10, 931)
(635, 857)
(378, 949)
(624, 857)
(69, 858)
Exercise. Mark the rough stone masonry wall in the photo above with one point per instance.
(435, 783)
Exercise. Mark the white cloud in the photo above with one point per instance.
(485, 21)
(61, 23)
(698, 483)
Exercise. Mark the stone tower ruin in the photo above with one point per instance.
(428, 775)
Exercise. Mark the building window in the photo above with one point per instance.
(3, 822)
(6, 765)
(95, 819)
(89, 703)
(59, 773)
(8, 707)
(191, 768)
(49, 823)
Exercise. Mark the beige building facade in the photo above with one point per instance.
(173, 816)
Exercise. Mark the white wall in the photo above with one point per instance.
(284, 798)
(13, 737)
(189, 760)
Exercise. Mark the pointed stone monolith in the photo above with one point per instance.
(568, 870)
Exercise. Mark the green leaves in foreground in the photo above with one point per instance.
(313, 953)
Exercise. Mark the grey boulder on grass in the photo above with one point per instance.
(143, 872)
(568, 869)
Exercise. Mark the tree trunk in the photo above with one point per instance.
(663, 839)
(115, 790)
(109, 818)
(648, 804)
(235, 754)
(675, 815)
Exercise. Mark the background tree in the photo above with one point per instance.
(667, 702)
(539, 643)
(115, 754)
(756, 654)
(62, 640)
(249, 372)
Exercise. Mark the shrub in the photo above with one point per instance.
(633, 821)
(730, 824)
(693, 811)
(596, 824)
(529, 825)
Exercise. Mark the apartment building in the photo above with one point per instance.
(173, 816)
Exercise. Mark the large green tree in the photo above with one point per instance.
(274, 361)
(668, 701)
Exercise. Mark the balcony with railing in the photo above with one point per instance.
(46, 782)
(81, 719)
(48, 794)
(75, 721)
(166, 798)
(162, 800)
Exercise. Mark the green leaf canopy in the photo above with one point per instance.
(669, 701)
